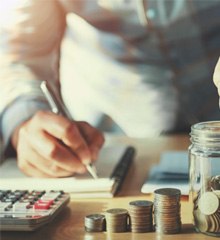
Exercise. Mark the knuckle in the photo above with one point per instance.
(85, 124)
(39, 114)
(22, 134)
(99, 138)
(54, 169)
(22, 165)
(53, 151)
(81, 148)
(70, 130)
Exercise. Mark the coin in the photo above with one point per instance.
(215, 182)
(117, 211)
(95, 223)
(208, 203)
(140, 212)
(116, 220)
(167, 207)
(141, 203)
(168, 192)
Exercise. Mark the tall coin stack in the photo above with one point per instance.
(116, 220)
(95, 223)
(141, 216)
(167, 215)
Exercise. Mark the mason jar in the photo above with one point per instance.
(204, 174)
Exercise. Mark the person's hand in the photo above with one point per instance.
(216, 76)
(49, 145)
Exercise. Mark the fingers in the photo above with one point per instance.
(32, 171)
(43, 167)
(49, 145)
(94, 138)
(216, 76)
(66, 131)
(54, 151)
(44, 151)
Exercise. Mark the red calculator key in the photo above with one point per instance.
(42, 206)
(50, 202)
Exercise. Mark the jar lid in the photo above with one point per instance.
(206, 133)
(207, 127)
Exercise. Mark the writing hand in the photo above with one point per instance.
(49, 145)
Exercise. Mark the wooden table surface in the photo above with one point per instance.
(69, 225)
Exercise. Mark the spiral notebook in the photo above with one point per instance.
(112, 166)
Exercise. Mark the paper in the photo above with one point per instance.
(12, 178)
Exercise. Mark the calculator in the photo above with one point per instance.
(28, 210)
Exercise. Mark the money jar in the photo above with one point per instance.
(204, 174)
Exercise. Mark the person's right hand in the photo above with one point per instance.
(49, 145)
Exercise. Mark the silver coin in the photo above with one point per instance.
(141, 203)
(168, 191)
(208, 203)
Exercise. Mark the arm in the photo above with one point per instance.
(31, 55)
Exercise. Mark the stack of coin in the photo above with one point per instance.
(141, 216)
(116, 220)
(95, 223)
(167, 210)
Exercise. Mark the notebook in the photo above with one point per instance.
(171, 172)
(112, 166)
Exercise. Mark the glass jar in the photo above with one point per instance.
(204, 174)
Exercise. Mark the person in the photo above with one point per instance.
(139, 67)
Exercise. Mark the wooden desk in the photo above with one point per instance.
(69, 225)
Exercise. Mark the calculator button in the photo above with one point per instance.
(20, 192)
(46, 201)
(8, 200)
(8, 216)
(51, 196)
(37, 193)
(41, 206)
(19, 206)
(4, 205)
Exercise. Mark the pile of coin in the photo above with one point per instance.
(141, 216)
(207, 212)
(167, 215)
(116, 220)
(95, 223)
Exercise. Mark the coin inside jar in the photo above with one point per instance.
(215, 182)
(208, 203)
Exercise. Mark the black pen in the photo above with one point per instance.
(58, 107)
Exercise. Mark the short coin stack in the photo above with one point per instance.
(116, 220)
(167, 210)
(141, 216)
(95, 223)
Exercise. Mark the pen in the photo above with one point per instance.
(58, 107)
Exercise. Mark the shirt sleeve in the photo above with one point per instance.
(29, 53)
